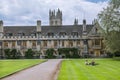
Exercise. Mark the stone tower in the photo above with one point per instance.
(76, 21)
(55, 18)
(85, 40)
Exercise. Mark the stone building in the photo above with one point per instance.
(85, 37)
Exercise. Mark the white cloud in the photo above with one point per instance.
(27, 12)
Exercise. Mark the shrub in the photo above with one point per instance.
(12, 53)
(29, 54)
(69, 52)
(117, 54)
(7, 53)
(50, 53)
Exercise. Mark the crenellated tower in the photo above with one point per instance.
(76, 21)
(55, 18)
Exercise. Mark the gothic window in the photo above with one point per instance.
(6, 44)
(13, 44)
(55, 43)
(45, 43)
(78, 43)
(33, 43)
(62, 43)
(97, 42)
(71, 43)
(23, 44)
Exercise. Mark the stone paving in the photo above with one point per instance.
(43, 71)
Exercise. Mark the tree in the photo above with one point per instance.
(7, 53)
(50, 53)
(29, 54)
(109, 20)
(12, 53)
(69, 52)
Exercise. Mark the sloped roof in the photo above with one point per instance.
(27, 30)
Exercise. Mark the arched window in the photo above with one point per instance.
(45, 43)
(5, 44)
(71, 43)
(13, 44)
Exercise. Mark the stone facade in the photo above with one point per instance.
(85, 37)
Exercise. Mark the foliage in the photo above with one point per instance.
(12, 53)
(15, 54)
(69, 52)
(109, 54)
(7, 53)
(29, 54)
(109, 20)
(117, 54)
(50, 53)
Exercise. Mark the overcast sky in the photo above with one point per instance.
(27, 12)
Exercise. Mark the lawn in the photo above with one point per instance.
(107, 69)
(10, 66)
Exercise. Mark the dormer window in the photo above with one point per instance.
(74, 33)
(21, 34)
(33, 34)
(50, 34)
(9, 34)
(62, 34)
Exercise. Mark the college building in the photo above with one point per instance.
(85, 37)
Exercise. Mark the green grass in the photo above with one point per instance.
(8, 67)
(107, 69)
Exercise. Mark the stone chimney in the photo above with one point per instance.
(1, 27)
(38, 25)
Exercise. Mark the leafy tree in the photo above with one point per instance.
(7, 53)
(12, 54)
(69, 52)
(29, 54)
(109, 20)
(75, 53)
(50, 53)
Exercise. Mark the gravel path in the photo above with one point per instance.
(44, 71)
